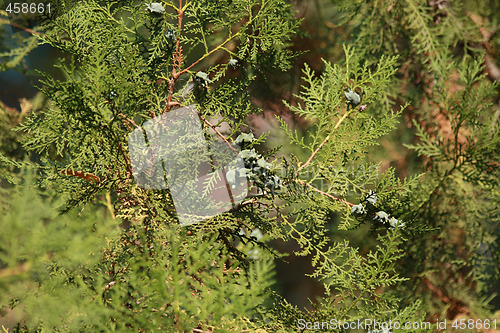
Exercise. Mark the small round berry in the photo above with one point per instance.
(231, 177)
(249, 154)
(256, 233)
(381, 217)
(274, 183)
(112, 95)
(352, 98)
(394, 223)
(233, 63)
(244, 138)
(170, 35)
(202, 79)
(371, 199)
(262, 163)
(155, 7)
(358, 210)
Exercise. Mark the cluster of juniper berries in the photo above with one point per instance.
(256, 167)
(366, 209)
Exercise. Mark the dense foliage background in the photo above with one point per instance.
(374, 176)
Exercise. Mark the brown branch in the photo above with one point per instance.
(455, 306)
(129, 120)
(127, 162)
(109, 285)
(218, 133)
(176, 70)
(15, 25)
(81, 174)
(491, 68)
(437, 292)
(314, 153)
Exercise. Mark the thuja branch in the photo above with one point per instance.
(228, 39)
(178, 56)
(176, 70)
(328, 267)
(309, 160)
(206, 55)
(111, 18)
(384, 265)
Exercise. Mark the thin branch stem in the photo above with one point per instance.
(109, 205)
(324, 193)
(176, 70)
(206, 55)
(218, 133)
(15, 25)
(221, 46)
(129, 120)
(309, 160)
(81, 174)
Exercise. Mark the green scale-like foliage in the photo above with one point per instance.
(443, 75)
(166, 284)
